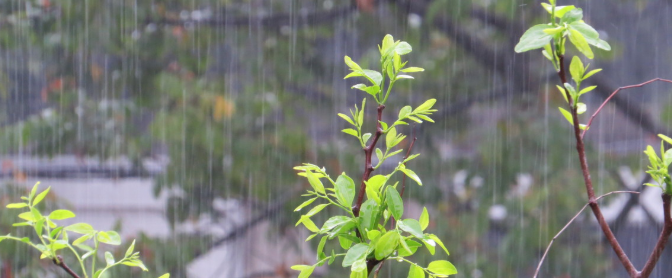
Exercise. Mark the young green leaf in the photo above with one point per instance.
(347, 119)
(316, 209)
(438, 241)
(61, 214)
(41, 196)
(386, 244)
(412, 69)
(345, 190)
(167, 275)
(590, 34)
(411, 226)
(576, 69)
(394, 202)
(412, 175)
(533, 38)
(315, 182)
(354, 66)
(579, 41)
(17, 205)
(665, 138)
(567, 115)
(416, 272)
(424, 219)
(109, 258)
(355, 253)
(572, 15)
(442, 267)
(559, 10)
(391, 138)
(368, 215)
(587, 89)
(306, 203)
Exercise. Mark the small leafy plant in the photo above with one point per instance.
(52, 239)
(566, 23)
(363, 230)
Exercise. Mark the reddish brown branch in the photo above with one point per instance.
(592, 201)
(536, 273)
(590, 121)
(368, 167)
(59, 262)
(662, 240)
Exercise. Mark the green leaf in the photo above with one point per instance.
(345, 190)
(581, 108)
(28, 216)
(360, 274)
(82, 239)
(354, 66)
(411, 226)
(665, 138)
(412, 69)
(572, 16)
(167, 275)
(379, 155)
(587, 89)
(438, 241)
(394, 202)
(344, 242)
(386, 244)
(368, 214)
(373, 76)
(562, 92)
(416, 272)
(405, 111)
(315, 182)
(424, 219)
(310, 225)
(534, 38)
(430, 245)
(365, 137)
(17, 205)
(403, 48)
(351, 132)
(425, 106)
(372, 194)
(33, 191)
(41, 196)
(316, 209)
(347, 119)
(61, 214)
(320, 246)
(97, 274)
(305, 273)
(412, 175)
(567, 115)
(576, 69)
(388, 41)
(109, 258)
(334, 222)
(579, 41)
(373, 234)
(412, 246)
(358, 268)
(355, 253)
(306, 203)
(653, 157)
(129, 251)
(559, 10)
(404, 76)
(391, 138)
(590, 34)
(442, 267)
(372, 90)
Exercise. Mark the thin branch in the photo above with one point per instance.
(662, 240)
(580, 148)
(590, 121)
(536, 273)
(380, 266)
(368, 167)
(59, 262)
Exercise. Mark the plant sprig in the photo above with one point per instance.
(54, 238)
(363, 231)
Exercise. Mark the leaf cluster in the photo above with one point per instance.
(659, 165)
(54, 238)
(365, 236)
(566, 22)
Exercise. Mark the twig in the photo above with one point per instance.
(590, 121)
(580, 149)
(378, 269)
(368, 167)
(662, 240)
(59, 262)
(569, 223)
